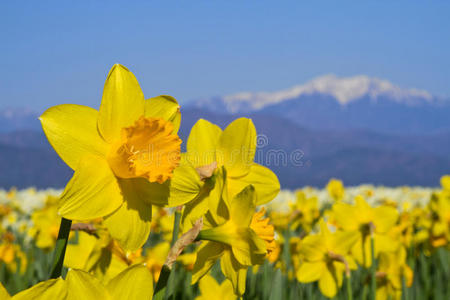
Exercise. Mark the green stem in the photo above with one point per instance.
(163, 282)
(60, 248)
(364, 292)
(286, 249)
(373, 268)
(176, 226)
(349, 288)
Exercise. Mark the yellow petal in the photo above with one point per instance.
(345, 216)
(236, 147)
(310, 272)
(50, 289)
(4, 293)
(202, 142)
(248, 248)
(165, 107)
(208, 287)
(263, 179)
(328, 284)
(185, 184)
(72, 131)
(82, 285)
(313, 247)
(385, 243)
(130, 224)
(122, 103)
(243, 206)
(77, 254)
(207, 255)
(150, 192)
(218, 200)
(342, 241)
(385, 218)
(227, 290)
(93, 191)
(235, 272)
(135, 282)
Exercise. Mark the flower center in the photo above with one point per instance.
(147, 149)
(264, 230)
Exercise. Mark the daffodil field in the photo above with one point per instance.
(139, 219)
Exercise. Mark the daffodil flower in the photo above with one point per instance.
(208, 148)
(336, 189)
(45, 227)
(122, 155)
(325, 259)
(305, 212)
(234, 148)
(11, 253)
(234, 234)
(392, 268)
(364, 222)
(133, 283)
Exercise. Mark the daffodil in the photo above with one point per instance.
(45, 226)
(365, 222)
(133, 283)
(208, 148)
(235, 149)
(211, 289)
(336, 189)
(122, 156)
(326, 258)
(234, 235)
(392, 268)
(11, 253)
(305, 212)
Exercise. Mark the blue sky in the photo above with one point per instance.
(53, 52)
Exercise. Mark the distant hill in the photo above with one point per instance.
(28, 166)
(333, 103)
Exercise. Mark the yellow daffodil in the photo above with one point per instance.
(210, 289)
(325, 259)
(133, 283)
(208, 148)
(232, 234)
(122, 154)
(45, 227)
(305, 212)
(392, 268)
(11, 253)
(363, 221)
(336, 189)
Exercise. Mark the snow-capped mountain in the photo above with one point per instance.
(331, 102)
(343, 89)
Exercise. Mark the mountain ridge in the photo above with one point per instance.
(332, 103)
(344, 89)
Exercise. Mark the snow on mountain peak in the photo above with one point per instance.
(343, 89)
